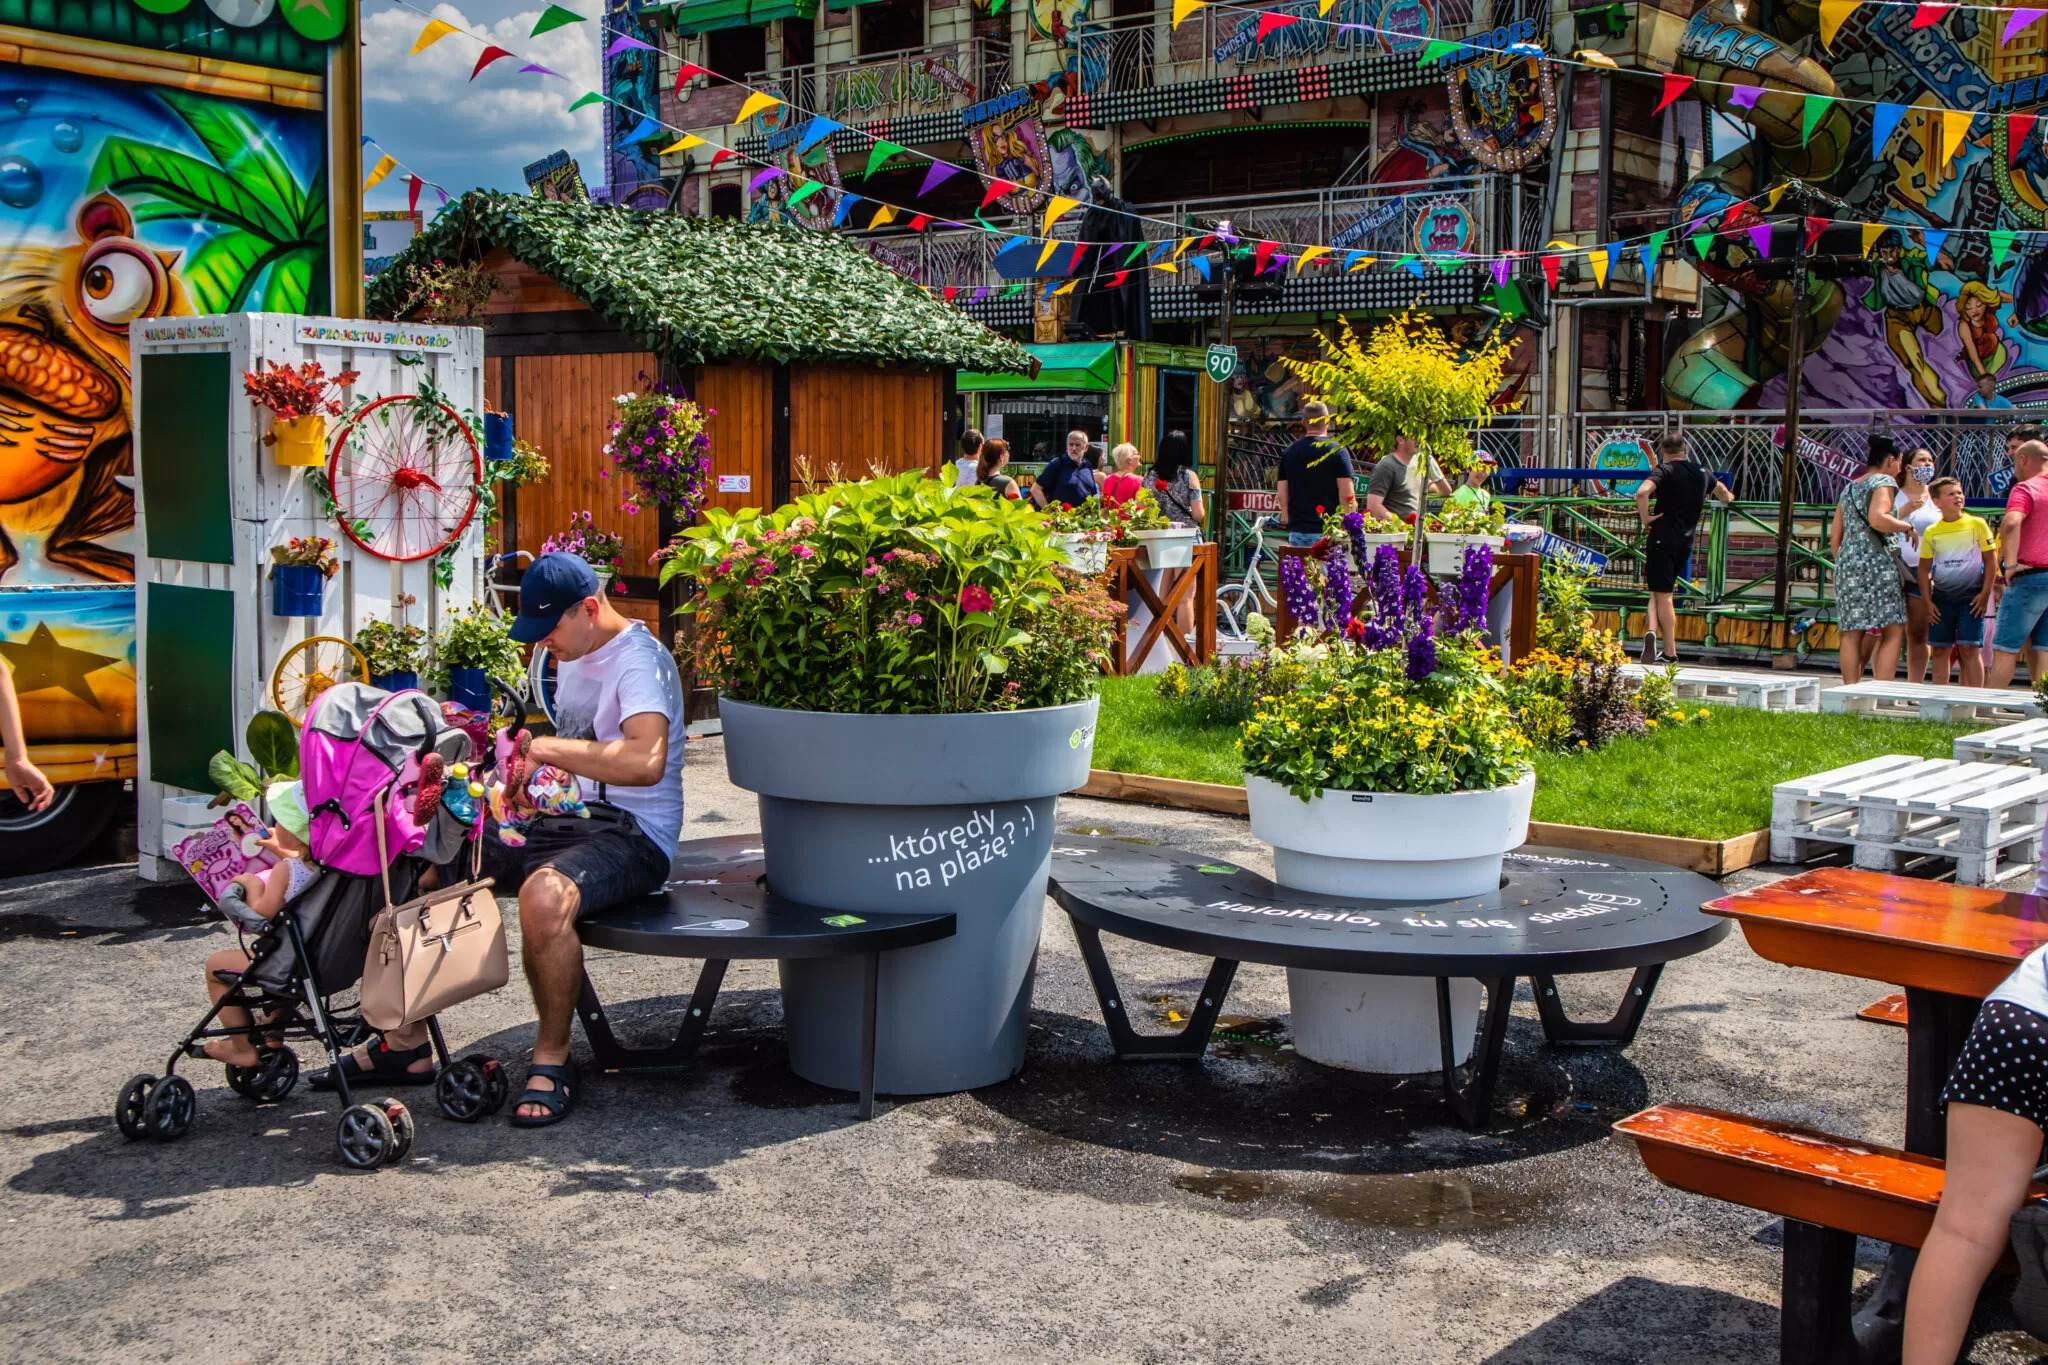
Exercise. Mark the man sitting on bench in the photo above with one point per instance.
(619, 728)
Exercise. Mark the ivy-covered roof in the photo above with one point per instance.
(700, 290)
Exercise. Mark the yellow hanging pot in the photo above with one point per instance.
(300, 440)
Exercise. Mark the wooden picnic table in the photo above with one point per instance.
(1949, 946)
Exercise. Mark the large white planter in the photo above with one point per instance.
(1386, 846)
(1447, 553)
(1084, 553)
(1173, 548)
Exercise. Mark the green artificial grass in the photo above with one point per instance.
(1709, 779)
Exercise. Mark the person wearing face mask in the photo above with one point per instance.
(1917, 509)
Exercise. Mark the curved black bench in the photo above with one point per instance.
(716, 907)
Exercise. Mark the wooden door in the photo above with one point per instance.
(563, 405)
(857, 420)
(742, 434)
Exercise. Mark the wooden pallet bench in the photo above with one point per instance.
(1829, 1190)
(1985, 817)
(2023, 742)
(1931, 701)
(1732, 687)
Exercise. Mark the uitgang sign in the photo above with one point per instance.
(957, 849)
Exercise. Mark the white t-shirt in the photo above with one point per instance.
(2027, 987)
(595, 695)
(1920, 518)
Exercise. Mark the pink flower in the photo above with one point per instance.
(805, 552)
(724, 566)
(888, 555)
(909, 595)
(916, 620)
(870, 571)
(974, 598)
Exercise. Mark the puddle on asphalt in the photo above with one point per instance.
(1435, 1202)
(1105, 832)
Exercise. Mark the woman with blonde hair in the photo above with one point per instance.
(1977, 328)
(1123, 484)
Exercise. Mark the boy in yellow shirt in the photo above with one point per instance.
(1957, 555)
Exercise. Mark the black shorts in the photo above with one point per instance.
(1664, 563)
(2004, 1063)
(606, 854)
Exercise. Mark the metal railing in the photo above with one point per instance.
(1144, 52)
(922, 80)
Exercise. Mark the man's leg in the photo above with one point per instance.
(552, 956)
(1667, 624)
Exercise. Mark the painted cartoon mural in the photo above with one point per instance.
(129, 189)
(1416, 142)
(1940, 319)
(632, 82)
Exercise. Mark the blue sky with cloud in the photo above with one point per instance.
(425, 111)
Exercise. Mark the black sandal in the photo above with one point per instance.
(558, 1102)
(392, 1068)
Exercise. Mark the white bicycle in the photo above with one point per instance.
(1235, 602)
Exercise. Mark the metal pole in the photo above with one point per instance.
(1788, 474)
(1219, 515)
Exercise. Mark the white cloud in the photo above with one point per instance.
(423, 109)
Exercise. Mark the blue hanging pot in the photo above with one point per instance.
(497, 436)
(470, 687)
(406, 681)
(296, 590)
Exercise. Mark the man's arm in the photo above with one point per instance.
(1643, 512)
(1722, 491)
(24, 778)
(2009, 537)
(1347, 494)
(1280, 491)
(637, 759)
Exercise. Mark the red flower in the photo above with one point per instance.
(973, 598)
(1321, 510)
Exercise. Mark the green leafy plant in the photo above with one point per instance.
(1337, 531)
(891, 595)
(311, 552)
(1406, 379)
(446, 291)
(1227, 689)
(273, 742)
(272, 252)
(1468, 519)
(1564, 617)
(475, 638)
(390, 648)
(601, 550)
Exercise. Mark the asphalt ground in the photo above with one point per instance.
(1255, 1208)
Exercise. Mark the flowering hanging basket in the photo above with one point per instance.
(659, 441)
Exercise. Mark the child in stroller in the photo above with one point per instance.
(310, 924)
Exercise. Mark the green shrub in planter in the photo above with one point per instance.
(474, 639)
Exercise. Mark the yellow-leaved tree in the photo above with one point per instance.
(1405, 378)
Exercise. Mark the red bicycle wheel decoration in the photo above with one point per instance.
(404, 473)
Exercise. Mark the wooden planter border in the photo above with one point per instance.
(1713, 857)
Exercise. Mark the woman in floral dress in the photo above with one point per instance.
(1867, 592)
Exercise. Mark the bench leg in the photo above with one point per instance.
(1190, 1044)
(871, 977)
(1474, 1103)
(1813, 1326)
(1619, 1031)
(612, 1055)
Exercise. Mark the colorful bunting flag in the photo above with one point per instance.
(1058, 207)
(919, 223)
(385, 165)
(1594, 58)
(1771, 199)
(646, 130)
(1201, 265)
(1675, 85)
(489, 55)
(1351, 260)
(1066, 288)
(1760, 238)
(1271, 20)
(1703, 242)
(538, 69)
(1363, 262)
(884, 215)
(1955, 130)
(721, 154)
(1814, 228)
(412, 194)
(879, 154)
(2019, 20)
(682, 144)
(591, 97)
(1599, 258)
(1932, 239)
(1168, 266)
(997, 189)
(1046, 254)
(685, 71)
(1926, 15)
(1884, 121)
(2001, 243)
(1448, 264)
(1871, 232)
(1434, 51)
(979, 294)
(433, 33)
(1550, 265)
(1136, 252)
(1262, 254)
(1185, 243)
(763, 177)
(2017, 126)
(1833, 14)
(1812, 110)
(949, 291)
(939, 174)
(1183, 8)
(1411, 265)
(1501, 266)
(815, 132)
(757, 103)
(805, 191)
(625, 41)
(1114, 280)
(846, 203)
(1745, 96)
(554, 17)
(1649, 251)
(1308, 255)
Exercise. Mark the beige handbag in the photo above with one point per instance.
(434, 951)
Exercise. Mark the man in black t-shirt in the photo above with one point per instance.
(1315, 478)
(1680, 489)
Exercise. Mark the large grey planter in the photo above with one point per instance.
(881, 813)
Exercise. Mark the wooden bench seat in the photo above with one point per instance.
(1830, 1190)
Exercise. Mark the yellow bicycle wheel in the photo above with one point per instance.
(309, 668)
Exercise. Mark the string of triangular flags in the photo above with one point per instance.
(385, 164)
(1166, 255)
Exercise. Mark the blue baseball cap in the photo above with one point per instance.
(552, 584)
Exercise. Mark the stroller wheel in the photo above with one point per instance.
(365, 1137)
(131, 1110)
(167, 1112)
(500, 1087)
(402, 1128)
(464, 1091)
(272, 1078)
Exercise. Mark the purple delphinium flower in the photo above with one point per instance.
(1337, 588)
(1422, 652)
(1386, 587)
(1354, 530)
(1469, 601)
(1294, 587)
(1414, 593)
